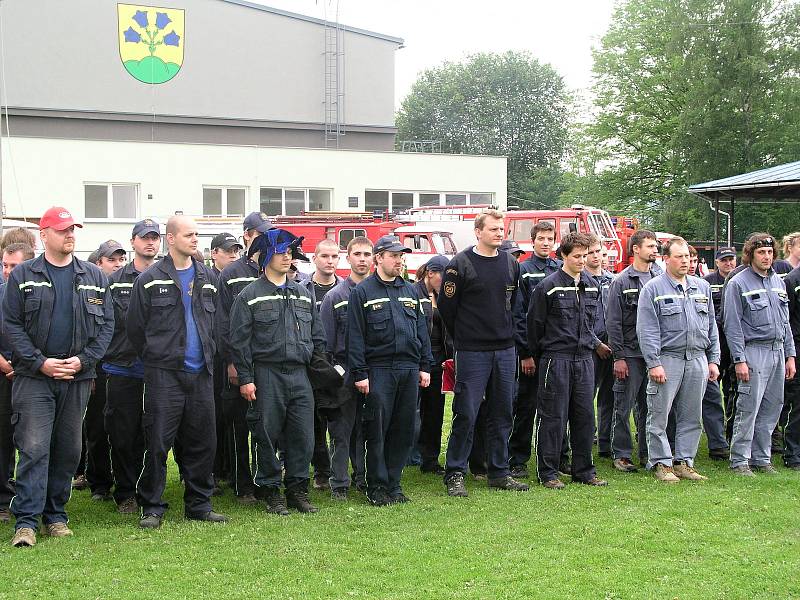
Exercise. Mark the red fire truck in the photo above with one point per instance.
(424, 241)
(459, 221)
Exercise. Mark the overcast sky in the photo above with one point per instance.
(558, 32)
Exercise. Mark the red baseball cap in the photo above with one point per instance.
(58, 218)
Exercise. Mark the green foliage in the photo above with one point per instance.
(689, 91)
(494, 104)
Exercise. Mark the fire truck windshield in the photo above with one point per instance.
(443, 244)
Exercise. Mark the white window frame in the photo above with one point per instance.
(289, 188)
(110, 202)
(224, 207)
(416, 194)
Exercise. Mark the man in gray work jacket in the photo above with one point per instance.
(680, 345)
(756, 321)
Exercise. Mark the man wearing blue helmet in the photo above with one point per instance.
(274, 331)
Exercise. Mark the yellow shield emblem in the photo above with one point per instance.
(151, 41)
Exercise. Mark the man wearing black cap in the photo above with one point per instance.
(390, 359)
(714, 421)
(110, 257)
(171, 327)
(431, 403)
(58, 320)
(274, 332)
(224, 250)
(233, 279)
(125, 372)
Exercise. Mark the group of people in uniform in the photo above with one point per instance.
(252, 373)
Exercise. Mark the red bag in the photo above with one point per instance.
(448, 376)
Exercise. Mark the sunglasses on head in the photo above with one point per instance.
(765, 243)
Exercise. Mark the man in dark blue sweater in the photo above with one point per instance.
(478, 292)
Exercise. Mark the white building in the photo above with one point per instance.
(262, 110)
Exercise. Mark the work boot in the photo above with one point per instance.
(665, 474)
(321, 483)
(102, 496)
(276, 503)
(455, 485)
(399, 498)
(5, 515)
(519, 472)
(57, 529)
(379, 497)
(247, 499)
(625, 465)
(743, 471)
(435, 469)
(565, 468)
(208, 517)
(508, 483)
(595, 481)
(339, 494)
(767, 468)
(80, 483)
(150, 521)
(793, 467)
(24, 537)
(127, 506)
(298, 499)
(684, 471)
(554, 484)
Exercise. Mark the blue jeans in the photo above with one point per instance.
(482, 374)
(47, 415)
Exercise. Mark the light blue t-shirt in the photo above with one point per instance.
(194, 361)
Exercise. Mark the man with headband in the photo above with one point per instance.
(274, 330)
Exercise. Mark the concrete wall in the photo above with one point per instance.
(239, 63)
(39, 173)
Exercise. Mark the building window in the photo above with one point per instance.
(352, 202)
(294, 201)
(376, 200)
(429, 199)
(402, 201)
(455, 199)
(481, 198)
(271, 201)
(224, 201)
(111, 200)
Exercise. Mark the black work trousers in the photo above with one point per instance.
(7, 452)
(235, 412)
(178, 409)
(282, 413)
(431, 410)
(388, 417)
(566, 395)
(123, 423)
(98, 451)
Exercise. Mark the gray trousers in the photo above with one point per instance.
(341, 431)
(683, 390)
(758, 406)
(630, 393)
(714, 417)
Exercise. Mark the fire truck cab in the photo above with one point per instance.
(578, 217)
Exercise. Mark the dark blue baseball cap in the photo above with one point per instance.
(145, 226)
(512, 247)
(437, 264)
(258, 221)
(389, 243)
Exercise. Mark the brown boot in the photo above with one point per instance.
(665, 474)
(684, 471)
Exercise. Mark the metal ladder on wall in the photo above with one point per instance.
(334, 81)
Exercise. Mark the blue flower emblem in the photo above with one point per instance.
(172, 39)
(162, 20)
(131, 35)
(141, 18)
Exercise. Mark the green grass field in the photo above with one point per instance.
(728, 537)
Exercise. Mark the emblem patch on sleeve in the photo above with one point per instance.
(449, 289)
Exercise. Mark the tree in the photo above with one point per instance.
(497, 104)
(693, 90)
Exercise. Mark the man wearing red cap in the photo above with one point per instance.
(58, 321)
